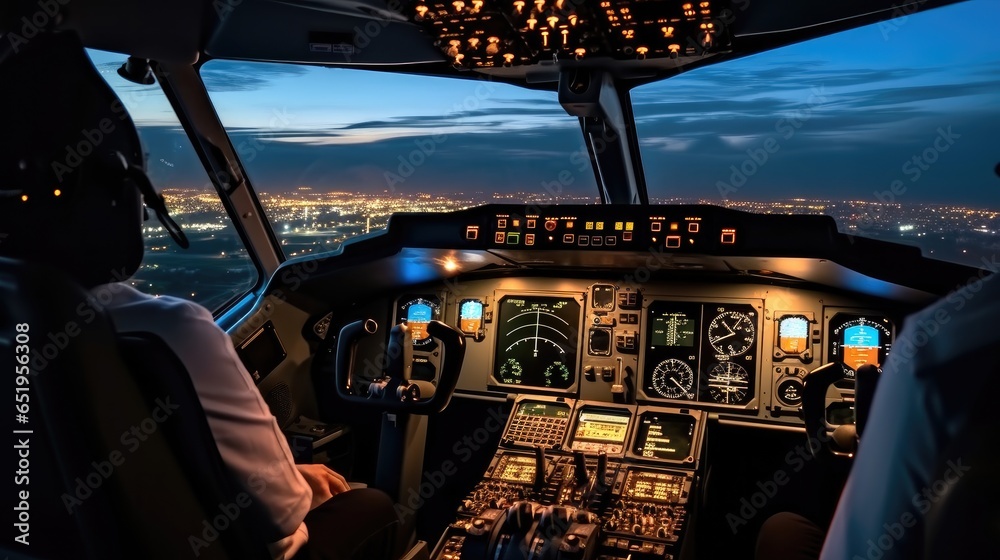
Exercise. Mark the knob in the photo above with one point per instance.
(637, 529)
(572, 540)
(661, 533)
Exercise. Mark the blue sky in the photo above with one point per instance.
(839, 117)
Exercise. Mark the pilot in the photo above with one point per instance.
(907, 460)
(72, 184)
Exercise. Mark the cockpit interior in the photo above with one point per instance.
(615, 378)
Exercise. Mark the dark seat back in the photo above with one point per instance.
(123, 462)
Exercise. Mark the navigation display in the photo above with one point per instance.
(537, 340)
(600, 429)
(664, 436)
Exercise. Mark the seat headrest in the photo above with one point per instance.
(66, 143)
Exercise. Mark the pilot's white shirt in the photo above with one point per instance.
(245, 431)
(921, 404)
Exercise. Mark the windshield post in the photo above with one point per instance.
(608, 131)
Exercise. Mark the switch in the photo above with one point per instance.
(588, 373)
(608, 373)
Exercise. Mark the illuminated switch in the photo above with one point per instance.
(655, 226)
(619, 226)
(583, 241)
(550, 225)
(472, 233)
(627, 236)
(502, 223)
(674, 226)
(529, 239)
(500, 237)
(569, 224)
(728, 236)
(588, 225)
(693, 227)
(610, 240)
(513, 238)
(600, 226)
(629, 226)
(531, 224)
(516, 223)
(568, 238)
(673, 242)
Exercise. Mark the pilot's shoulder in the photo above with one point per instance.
(132, 310)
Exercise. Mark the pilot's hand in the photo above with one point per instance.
(324, 482)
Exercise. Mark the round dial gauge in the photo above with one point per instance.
(728, 383)
(731, 333)
(674, 379)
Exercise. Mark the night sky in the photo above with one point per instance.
(841, 117)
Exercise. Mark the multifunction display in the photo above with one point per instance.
(600, 429)
(661, 435)
(537, 339)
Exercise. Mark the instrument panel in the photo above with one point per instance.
(740, 350)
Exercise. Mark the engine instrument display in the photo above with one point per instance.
(664, 436)
(418, 311)
(703, 352)
(856, 339)
(599, 429)
(537, 339)
(672, 355)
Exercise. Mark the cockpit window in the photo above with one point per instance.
(332, 153)
(884, 128)
(217, 267)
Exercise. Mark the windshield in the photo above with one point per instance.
(332, 153)
(891, 132)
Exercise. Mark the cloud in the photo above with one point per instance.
(245, 76)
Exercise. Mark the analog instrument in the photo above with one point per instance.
(728, 383)
(674, 379)
(731, 333)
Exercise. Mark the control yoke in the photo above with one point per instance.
(394, 390)
(840, 440)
